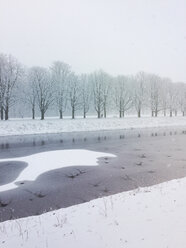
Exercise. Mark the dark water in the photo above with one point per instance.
(143, 159)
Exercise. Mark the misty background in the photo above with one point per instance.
(118, 37)
(121, 37)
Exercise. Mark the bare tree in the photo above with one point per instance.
(139, 92)
(176, 103)
(60, 76)
(164, 88)
(43, 87)
(11, 72)
(74, 94)
(29, 90)
(106, 81)
(171, 96)
(85, 93)
(98, 94)
(156, 103)
(182, 97)
(122, 95)
(3, 71)
(101, 87)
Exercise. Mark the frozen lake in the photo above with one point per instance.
(143, 157)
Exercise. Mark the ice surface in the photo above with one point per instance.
(51, 160)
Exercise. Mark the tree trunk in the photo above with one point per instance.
(105, 112)
(123, 114)
(120, 114)
(183, 113)
(2, 113)
(84, 114)
(42, 115)
(99, 112)
(156, 113)
(152, 113)
(33, 113)
(60, 114)
(6, 113)
(73, 113)
(164, 112)
(176, 112)
(139, 113)
(170, 113)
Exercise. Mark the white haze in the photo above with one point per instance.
(121, 37)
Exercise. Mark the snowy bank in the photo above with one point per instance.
(146, 217)
(27, 126)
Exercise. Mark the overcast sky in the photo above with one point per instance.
(119, 36)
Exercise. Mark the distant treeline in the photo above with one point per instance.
(58, 87)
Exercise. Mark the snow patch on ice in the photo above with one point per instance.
(51, 160)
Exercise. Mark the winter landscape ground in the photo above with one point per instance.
(54, 125)
(106, 187)
(146, 217)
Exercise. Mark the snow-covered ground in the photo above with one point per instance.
(146, 217)
(28, 126)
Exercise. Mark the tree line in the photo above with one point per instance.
(59, 87)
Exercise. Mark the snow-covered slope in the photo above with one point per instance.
(27, 126)
(147, 217)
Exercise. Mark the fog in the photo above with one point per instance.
(121, 37)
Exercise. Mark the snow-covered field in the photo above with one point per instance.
(146, 217)
(27, 126)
